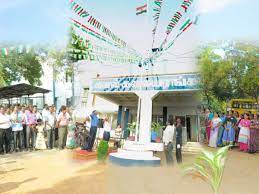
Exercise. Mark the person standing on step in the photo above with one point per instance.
(179, 138)
(168, 137)
(93, 129)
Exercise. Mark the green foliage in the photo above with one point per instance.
(234, 75)
(156, 126)
(209, 167)
(75, 42)
(15, 67)
(102, 151)
(132, 127)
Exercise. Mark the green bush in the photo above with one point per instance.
(102, 151)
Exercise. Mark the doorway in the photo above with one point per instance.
(188, 128)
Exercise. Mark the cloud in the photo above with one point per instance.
(206, 6)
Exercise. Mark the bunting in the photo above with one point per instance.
(4, 51)
(19, 49)
(97, 24)
(98, 53)
(157, 11)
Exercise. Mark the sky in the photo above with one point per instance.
(47, 21)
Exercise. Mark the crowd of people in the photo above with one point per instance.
(232, 129)
(23, 127)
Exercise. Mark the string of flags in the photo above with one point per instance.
(157, 11)
(80, 11)
(95, 34)
(176, 18)
(93, 52)
(5, 51)
(121, 52)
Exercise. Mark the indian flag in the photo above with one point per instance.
(5, 51)
(141, 9)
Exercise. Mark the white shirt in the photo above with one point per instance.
(106, 126)
(38, 116)
(5, 121)
(50, 118)
(44, 113)
(168, 134)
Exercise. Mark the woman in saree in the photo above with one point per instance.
(221, 130)
(229, 133)
(254, 127)
(244, 133)
(215, 125)
(208, 118)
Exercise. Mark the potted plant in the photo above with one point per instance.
(132, 130)
(155, 132)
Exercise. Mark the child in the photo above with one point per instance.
(40, 141)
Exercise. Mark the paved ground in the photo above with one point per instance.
(54, 172)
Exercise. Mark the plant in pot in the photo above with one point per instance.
(155, 132)
(132, 130)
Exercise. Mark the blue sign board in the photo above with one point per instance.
(158, 83)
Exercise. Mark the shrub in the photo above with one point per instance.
(102, 151)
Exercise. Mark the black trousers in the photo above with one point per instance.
(25, 146)
(93, 131)
(178, 153)
(5, 140)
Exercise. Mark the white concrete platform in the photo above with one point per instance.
(135, 154)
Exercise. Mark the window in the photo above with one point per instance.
(247, 105)
(236, 105)
(85, 96)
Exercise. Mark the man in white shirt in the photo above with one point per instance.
(168, 137)
(5, 131)
(50, 120)
(45, 111)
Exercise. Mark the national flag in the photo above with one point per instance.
(141, 9)
(5, 51)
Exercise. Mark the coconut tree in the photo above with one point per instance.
(209, 166)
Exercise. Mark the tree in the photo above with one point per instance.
(234, 74)
(15, 67)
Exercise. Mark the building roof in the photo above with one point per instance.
(19, 90)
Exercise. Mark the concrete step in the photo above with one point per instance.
(145, 154)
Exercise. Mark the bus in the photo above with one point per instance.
(243, 105)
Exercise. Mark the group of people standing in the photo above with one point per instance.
(232, 129)
(23, 127)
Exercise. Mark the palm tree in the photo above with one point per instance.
(209, 166)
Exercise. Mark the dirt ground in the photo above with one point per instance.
(55, 172)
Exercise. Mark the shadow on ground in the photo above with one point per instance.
(13, 185)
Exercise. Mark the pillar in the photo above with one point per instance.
(145, 115)
(119, 118)
(126, 121)
(164, 115)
